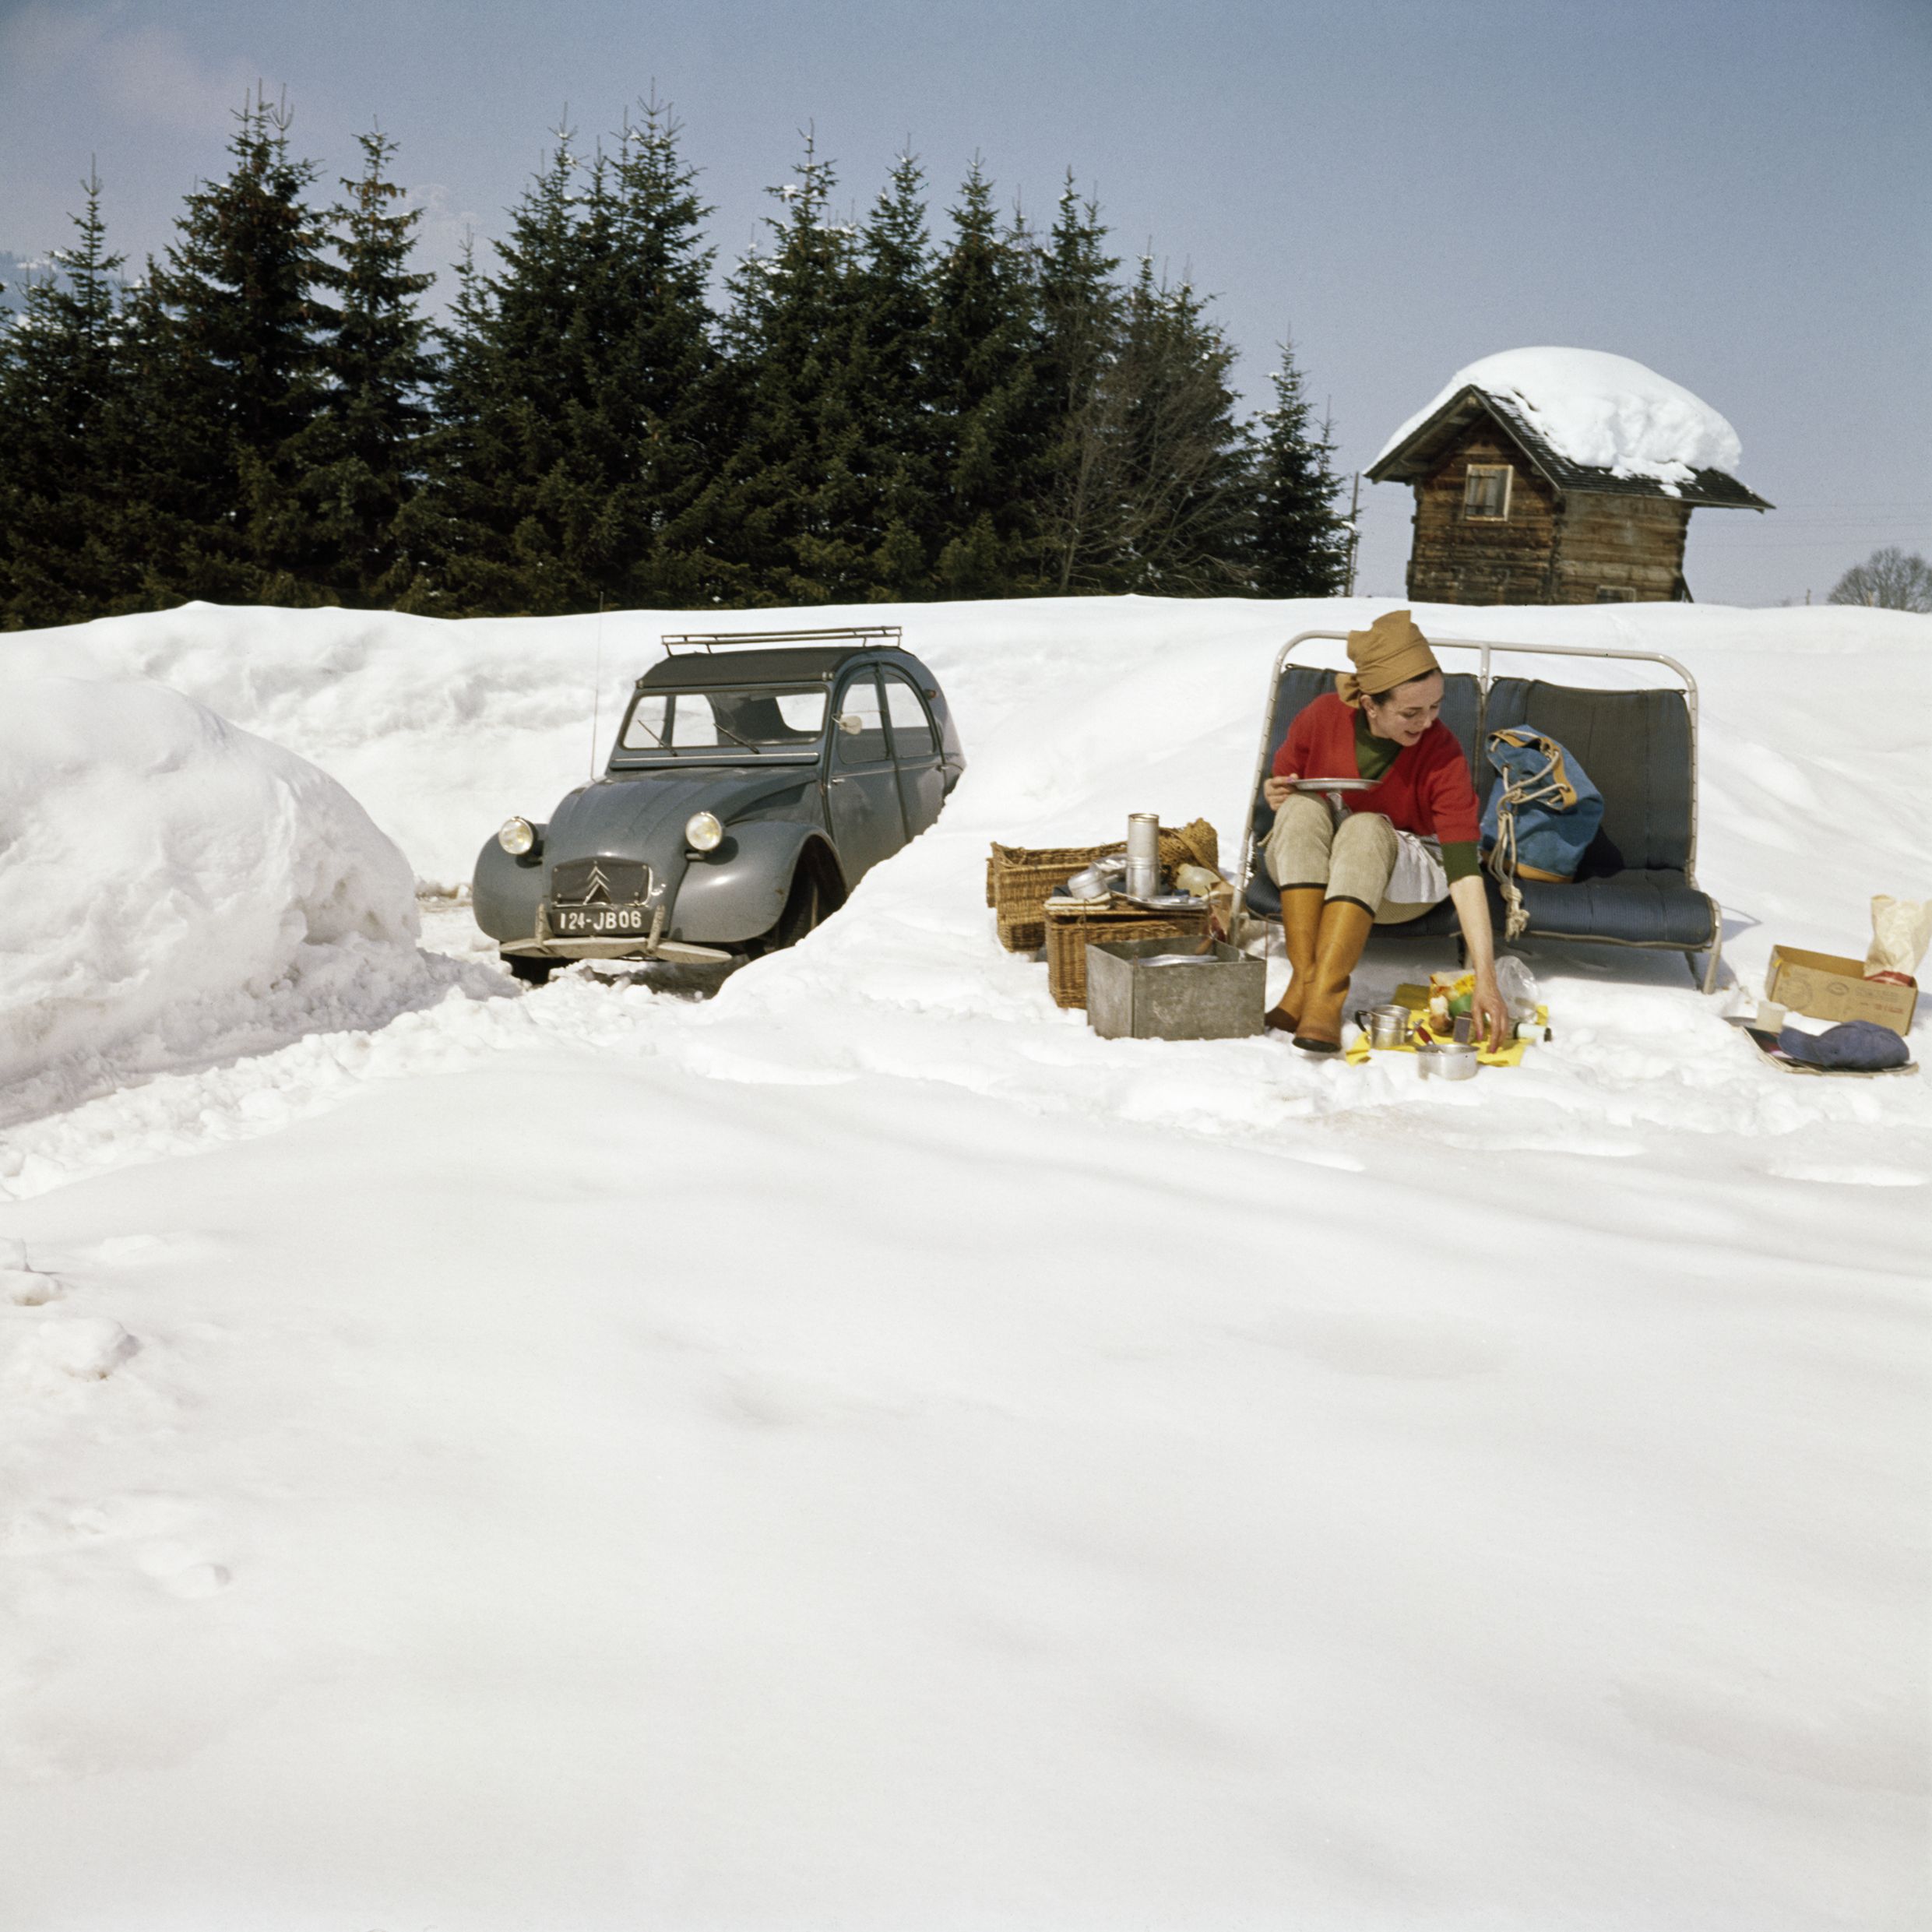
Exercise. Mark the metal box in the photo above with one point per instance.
(1129, 998)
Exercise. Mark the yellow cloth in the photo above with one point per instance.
(1416, 999)
(1391, 651)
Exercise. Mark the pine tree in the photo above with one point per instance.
(990, 449)
(444, 529)
(794, 491)
(663, 388)
(1299, 543)
(236, 378)
(581, 407)
(901, 516)
(361, 455)
(64, 448)
(486, 525)
(1184, 505)
(1081, 312)
(893, 350)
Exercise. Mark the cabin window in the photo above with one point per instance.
(1615, 594)
(1486, 491)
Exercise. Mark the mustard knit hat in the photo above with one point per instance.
(1391, 651)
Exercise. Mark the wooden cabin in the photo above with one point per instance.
(1502, 518)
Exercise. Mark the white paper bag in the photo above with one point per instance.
(1901, 931)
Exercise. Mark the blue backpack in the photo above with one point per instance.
(1541, 815)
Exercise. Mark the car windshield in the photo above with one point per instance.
(758, 718)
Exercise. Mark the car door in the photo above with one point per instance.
(862, 788)
(915, 747)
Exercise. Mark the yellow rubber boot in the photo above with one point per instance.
(1337, 949)
(1301, 920)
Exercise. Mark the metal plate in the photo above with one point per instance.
(599, 881)
(1336, 784)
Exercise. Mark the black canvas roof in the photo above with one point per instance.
(709, 670)
(1417, 453)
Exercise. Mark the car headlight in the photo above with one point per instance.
(703, 832)
(517, 836)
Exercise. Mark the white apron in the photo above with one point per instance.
(1418, 878)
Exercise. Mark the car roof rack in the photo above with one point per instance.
(687, 642)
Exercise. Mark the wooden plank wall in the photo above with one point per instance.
(1633, 544)
(1454, 560)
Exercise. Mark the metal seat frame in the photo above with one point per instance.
(1486, 649)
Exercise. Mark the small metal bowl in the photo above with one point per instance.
(1446, 1060)
(1096, 881)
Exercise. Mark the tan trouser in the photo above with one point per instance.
(1351, 860)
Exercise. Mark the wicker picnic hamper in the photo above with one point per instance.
(1019, 878)
(1071, 929)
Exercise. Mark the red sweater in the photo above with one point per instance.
(1425, 791)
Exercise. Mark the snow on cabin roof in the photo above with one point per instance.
(1598, 420)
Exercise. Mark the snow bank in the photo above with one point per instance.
(1603, 411)
(862, 1451)
(172, 887)
(428, 724)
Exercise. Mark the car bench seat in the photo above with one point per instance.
(1640, 748)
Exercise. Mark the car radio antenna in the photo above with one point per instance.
(597, 687)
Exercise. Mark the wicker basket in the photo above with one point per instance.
(1073, 927)
(1019, 879)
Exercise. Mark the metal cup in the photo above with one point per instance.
(1386, 1025)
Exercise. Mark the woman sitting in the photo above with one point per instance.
(1398, 849)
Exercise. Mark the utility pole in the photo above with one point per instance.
(1355, 528)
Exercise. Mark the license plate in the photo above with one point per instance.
(597, 922)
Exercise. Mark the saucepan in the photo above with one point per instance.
(1446, 1060)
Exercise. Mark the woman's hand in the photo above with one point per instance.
(1491, 1012)
(1275, 791)
(1490, 1016)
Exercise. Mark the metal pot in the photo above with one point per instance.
(1446, 1060)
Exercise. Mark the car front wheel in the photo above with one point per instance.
(815, 895)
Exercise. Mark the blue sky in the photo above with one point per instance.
(1734, 191)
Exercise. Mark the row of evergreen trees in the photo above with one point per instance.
(267, 416)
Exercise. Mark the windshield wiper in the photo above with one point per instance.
(735, 739)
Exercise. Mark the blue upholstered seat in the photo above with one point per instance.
(1638, 746)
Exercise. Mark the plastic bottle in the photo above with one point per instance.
(1518, 986)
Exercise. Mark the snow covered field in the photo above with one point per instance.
(863, 1451)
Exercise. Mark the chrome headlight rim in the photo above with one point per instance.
(704, 831)
(517, 836)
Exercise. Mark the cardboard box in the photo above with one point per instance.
(1827, 987)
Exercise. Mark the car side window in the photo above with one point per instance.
(912, 730)
(867, 745)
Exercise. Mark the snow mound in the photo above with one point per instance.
(439, 729)
(173, 889)
(1602, 411)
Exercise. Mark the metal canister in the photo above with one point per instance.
(1143, 854)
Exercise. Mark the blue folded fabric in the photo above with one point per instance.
(1859, 1046)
